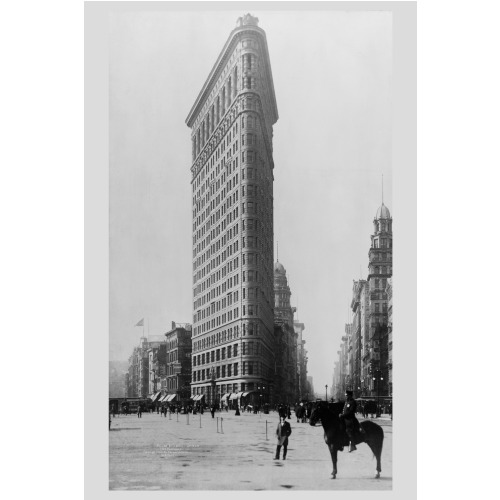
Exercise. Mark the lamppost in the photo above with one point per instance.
(213, 384)
(326, 392)
(260, 388)
(378, 378)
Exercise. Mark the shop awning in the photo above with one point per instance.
(163, 398)
(235, 395)
(171, 397)
(155, 396)
(247, 393)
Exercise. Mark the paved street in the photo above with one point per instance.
(156, 453)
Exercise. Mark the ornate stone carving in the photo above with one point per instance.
(247, 19)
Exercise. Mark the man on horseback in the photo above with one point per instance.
(349, 418)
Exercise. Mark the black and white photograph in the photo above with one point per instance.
(236, 241)
(251, 249)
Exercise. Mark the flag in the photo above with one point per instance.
(141, 323)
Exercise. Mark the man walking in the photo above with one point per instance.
(282, 432)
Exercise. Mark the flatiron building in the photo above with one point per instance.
(231, 124)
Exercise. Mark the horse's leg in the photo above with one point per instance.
(375, 444)
(333, 453)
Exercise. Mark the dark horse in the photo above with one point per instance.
(336, 437)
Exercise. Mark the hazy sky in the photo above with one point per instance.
(332, 143)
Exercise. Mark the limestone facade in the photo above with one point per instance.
(232, 219)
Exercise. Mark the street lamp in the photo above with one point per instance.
(326, 392)
(260, 388)
(378, 378)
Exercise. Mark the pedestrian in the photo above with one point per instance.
(237, 413)
(139, 411)
(283, 431)
(212, 411)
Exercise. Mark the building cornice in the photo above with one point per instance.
(220, 64)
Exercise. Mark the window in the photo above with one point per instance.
(250, 368)
(223, 371)
(229, 352)
(236, 371)
(235, 350)
(229, 370)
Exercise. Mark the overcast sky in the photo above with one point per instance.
(332, 144)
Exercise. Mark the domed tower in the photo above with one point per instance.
(380, 270)
(286, 378)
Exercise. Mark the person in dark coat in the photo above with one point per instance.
(350, 420)
(282, 432)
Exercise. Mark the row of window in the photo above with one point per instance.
(381, 270)
(228, 370)
(223, 101)
(382, 243)
(223, 371)
(227, 301)
(377, 308)
(219, 320)
(378, 284)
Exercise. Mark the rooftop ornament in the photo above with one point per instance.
(247, 19)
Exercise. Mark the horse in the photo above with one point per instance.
(336, 437)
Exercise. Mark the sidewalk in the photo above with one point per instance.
(156, 453)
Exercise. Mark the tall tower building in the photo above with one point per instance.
(231, 125)
(380, 270)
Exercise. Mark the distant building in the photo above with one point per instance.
(117, 379)
(389, 334)
(364, 362)
(178, 367)
(302, 389)
(140, 369)
(285, 388)
(310, 387)
(380, 270)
